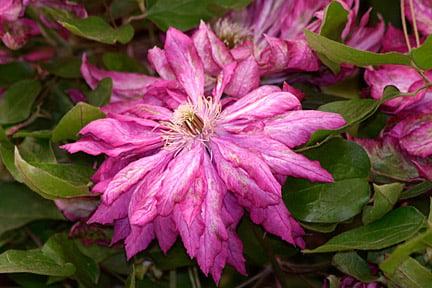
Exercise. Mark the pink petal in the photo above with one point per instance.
(212, 51)
(277, 220)
(259, 105)
(295, 128)
(185, 62)
(121, 230)
(404, 78)
(125, 84)
(107, 214)
(10, 10)
(132, 173)
(157, 58)
(166, 232)
(251, 181)
(245, 79)
(139, 239)
(211, 241)
(179, 175)
(296, 92)
(281, 159)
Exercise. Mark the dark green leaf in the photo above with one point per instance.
(320, 227)
(65, 251)
(121, 62)
(397, 226)
(385, 198)
(331, 202)
(53, 180)
(102, 94)
(33, 261)
(339, 53)
(65, 67)
(186, 14)
(74, 121)
(16, 196)
(93, 28)
(422, 55)
(37, 150)
(352, 264)
(14, 72)
(353, 111)
(417, 190)
(16, 105)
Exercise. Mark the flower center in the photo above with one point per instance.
(231, 33)
(186, 118)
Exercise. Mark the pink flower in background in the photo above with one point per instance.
(191, 163)
(272, 32)
(15, 29)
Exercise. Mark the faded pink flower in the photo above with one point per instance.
(272, 32)
(192, 167)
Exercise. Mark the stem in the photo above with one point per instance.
(404, 25)
(417, 38)
(173, 279)
(269, 250)
(258, 276)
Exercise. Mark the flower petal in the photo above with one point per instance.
(295, 128)
(185, 62)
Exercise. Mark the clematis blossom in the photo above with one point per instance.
(192, 169)
(423, 15)
(272, 32)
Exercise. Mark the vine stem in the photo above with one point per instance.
(404, 25)
(417, 38)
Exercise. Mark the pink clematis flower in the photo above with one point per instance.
(192, 169)
(272, 32)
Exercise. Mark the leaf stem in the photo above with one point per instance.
(417, 38)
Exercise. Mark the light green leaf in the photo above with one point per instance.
(352, 264)
(16, 196)
(403, 251)
(337, 201)
(335, 19)
(33, 261)
(16, 104)
(397, 226)
(102, 94)
(340, 53)
(74, 120)
(422, 55)
(417, 190)
(53, 181)
(385, 198)
(411, 274)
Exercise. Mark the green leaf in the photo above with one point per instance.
(416, 190)
(7, 155)
(121, 62)
(33, 261)
(16, 104)
(353, 111)
(422, 55)
(319, 227)
(397, 226)
(65, 251)
(14, 72)
(411, 274)
(53, 181)
(352, 264)
(340, 53)
(403, 251)
(102, 94)
(335, 19)
(337, 201)
(93, 28)
(65, 67)
(74, 120)
(186, 14)
(37, 150)
(16, 196)
(385, 198)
